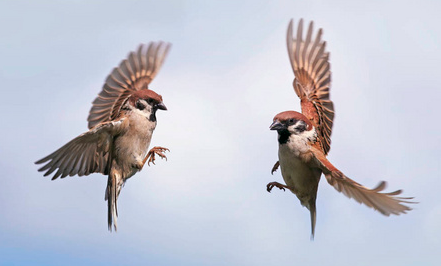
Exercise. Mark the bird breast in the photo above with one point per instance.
(131, 147)
(297, 173)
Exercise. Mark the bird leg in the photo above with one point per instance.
(276, 165)
(151, 155)
(271, 185)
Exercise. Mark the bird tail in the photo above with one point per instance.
(111, 195)
(313, 212)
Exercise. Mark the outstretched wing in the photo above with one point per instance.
(134, 73)
(386, 203)
(309, 60)
(88, 153)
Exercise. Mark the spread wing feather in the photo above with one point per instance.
(134, 73)
(310, 63)
(85, 154)
(386, 203)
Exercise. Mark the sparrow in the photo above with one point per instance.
(121, 123)
(304, 138)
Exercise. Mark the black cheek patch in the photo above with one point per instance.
(140, 105)
(301, 128)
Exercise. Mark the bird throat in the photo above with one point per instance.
(283, 136)
(152, 116)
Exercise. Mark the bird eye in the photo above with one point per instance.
(140, 105)
(150, 101)
(291, 121)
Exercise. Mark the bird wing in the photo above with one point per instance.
(133, 74)
(88, 153)
(310, 63)
(385, 203)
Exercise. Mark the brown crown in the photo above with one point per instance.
(145, 94)
(285, 116)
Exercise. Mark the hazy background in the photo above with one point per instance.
(225, 78)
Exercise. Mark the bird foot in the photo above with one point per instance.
(271, 185)
(151, 154)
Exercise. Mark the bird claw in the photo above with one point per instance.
(156, 151)
(276, 165)
(271, 185)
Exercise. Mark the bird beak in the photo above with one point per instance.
(160, 106)
(276, 125)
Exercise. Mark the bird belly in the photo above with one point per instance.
(299, 176)
(132, 147)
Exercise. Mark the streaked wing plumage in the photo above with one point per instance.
(134, 73)
(386, 203)
(85, 154)
(311, 67)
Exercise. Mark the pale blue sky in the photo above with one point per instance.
(225, 78)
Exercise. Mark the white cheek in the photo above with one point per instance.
(311, 134)
(300, 143)
(292, 130)
(146, 112)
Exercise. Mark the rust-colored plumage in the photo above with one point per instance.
(310, 63)
(284, 116)
(145, 94)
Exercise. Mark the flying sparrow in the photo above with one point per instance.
(304, 138)
(121, 124)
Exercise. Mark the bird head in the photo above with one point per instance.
(291, 123)
(147, 102)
